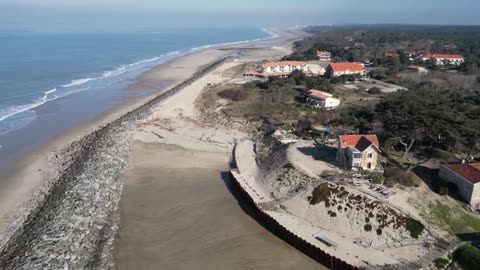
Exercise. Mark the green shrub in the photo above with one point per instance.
(375, 90)
(328, 173)
(377, 177)
(443, 189)
(233, 94)
(397, 175)
(468, 257)
(367, 227)
(320, 194)
(414, 227)
(441, 263)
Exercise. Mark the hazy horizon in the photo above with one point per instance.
(148, 15)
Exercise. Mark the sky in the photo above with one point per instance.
(148, 15)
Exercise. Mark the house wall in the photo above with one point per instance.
(287, 68)
(324, 103)
(315, 102)
(365, 160)
(332, 102)
(345, 158)
(442, 61)
(324, 57)
(466, 189)
(330, 73)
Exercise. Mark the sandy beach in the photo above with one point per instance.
(177, 210)
(188, 156)
(29, 170)
(177, 213)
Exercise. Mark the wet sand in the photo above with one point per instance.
(177, 212)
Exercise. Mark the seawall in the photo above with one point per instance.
(275, 227)
(72, 219)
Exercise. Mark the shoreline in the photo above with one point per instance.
(30, 168)
(101, 154)
(79, 132)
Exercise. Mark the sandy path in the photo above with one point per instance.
(177, 213)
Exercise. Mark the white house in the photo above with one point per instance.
(322, 99)
(283, 68)
(443, 59)
(324, 56)
(466, 176)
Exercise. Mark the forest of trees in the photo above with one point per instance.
(422, 120)
(439, 113)
(377, 39)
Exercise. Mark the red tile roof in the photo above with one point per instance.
(470, 171)
(391, 54)
(358, 140)
(251, 72)
(320, 51)
(318, 93)
(344, 66)
(439, 55)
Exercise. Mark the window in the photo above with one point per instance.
(357, 155)
(370, 155)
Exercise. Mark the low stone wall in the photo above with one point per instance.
(274, 226)
(72, 219)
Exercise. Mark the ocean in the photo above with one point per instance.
(38, 70)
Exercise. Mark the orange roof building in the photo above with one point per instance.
(324, 56)
(346, 68)
(354, 140)
(358, 152)
(322, 99)
(443, 59)
(466, 176)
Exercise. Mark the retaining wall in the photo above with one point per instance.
(274, 226)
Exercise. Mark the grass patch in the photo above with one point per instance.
(234, 71)
(454, 219)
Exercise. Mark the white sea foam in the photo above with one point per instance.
(13, 110)
(77, 82)
(52, 94)
(272, 35)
